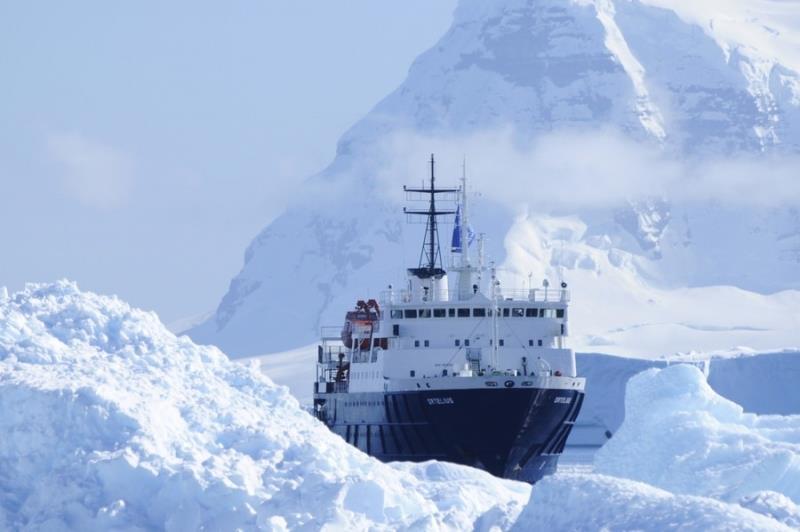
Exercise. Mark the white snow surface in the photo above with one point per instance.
(617, 309)
(683, 437)
(112, 422)
(600, 502)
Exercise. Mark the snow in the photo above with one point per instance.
(113, 422)
(295, 369)
(702, 95)
(600, 502)
(683, 437)
(765, 27)
(649, 114)
(760, 382)
(615, 306)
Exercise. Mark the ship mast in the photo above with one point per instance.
(430, 259)
(495, 292)
(464, 229)
(468, 276)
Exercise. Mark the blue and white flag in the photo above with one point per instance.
(455, 247)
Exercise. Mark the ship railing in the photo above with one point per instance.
(361, 356)
(330, 332)
(329, 354)
(537, 295)
(533, 295)
(395, 297)
(331, 387)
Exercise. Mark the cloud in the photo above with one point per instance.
(96, 174)
(571, 170)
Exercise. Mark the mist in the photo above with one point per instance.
(569, 171)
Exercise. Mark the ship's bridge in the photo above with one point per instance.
(520, 318)
(436, 329)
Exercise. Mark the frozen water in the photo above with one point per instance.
(681, 436)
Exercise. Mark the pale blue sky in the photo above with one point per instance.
(143, 144)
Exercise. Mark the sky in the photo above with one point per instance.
(144, 144)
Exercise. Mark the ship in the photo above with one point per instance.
(453, 367)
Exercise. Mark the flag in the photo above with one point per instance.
(455, 246)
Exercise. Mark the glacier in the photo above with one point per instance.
(687, 119)
(113, 422)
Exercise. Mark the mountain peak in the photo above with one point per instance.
(689, 82)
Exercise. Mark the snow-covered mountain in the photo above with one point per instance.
(648, 145)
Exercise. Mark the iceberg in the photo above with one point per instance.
(110, 421)
(599, 502)
(681, 436)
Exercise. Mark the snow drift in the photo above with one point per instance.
(599, 502)
(112, 422)
(681, 436)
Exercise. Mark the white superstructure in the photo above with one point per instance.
(441, 332)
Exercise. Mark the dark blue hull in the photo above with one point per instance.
(512, 433)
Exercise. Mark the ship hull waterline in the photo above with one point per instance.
(516, 433)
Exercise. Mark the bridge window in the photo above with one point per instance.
(397, 314)
(416, 343)
(463, 313)
(458, 342)
(451, 312)
(438, 313)
(531, 312)
(549, 313)
(424, 313)
(479, 312)
(501, 342)
(411, 313)
(530, 343)
(540, 343)
(559, 313)
(427, 343)
(518, 312)
(466, 342)
(506, 312)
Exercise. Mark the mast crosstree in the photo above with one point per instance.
(430, 259)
